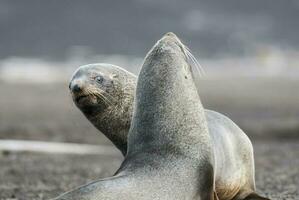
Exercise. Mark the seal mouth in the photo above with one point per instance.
(79, 98)
(83, 99)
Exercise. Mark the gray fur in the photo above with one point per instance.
(169, 148)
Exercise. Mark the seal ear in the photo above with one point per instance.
(113, 76)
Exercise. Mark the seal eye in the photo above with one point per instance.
(99, 79)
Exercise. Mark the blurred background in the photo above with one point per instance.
(248, 49)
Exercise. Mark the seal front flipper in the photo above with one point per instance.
(247, 195)
(215, 195)
(254, 196)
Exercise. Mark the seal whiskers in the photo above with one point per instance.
(98, 93)
(193, 61)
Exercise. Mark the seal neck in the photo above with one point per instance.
(168, 112)
(114, 124)
(114, 121)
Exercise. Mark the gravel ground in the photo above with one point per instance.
(41, 176)
(263, 108)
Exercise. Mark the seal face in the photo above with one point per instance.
(89, 88)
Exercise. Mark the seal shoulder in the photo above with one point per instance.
(218, 120)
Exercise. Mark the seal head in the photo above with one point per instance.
(167, 103)
(101, 91)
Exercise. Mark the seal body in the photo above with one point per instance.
(234, 162)
(233, 152)
(168, 136)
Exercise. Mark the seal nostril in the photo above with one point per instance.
(76, 88)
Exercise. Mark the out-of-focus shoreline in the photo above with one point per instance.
(265, 108)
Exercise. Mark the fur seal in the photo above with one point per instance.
(168, 136)
(229, 141)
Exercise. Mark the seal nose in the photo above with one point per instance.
(170, 37)
(76, 88)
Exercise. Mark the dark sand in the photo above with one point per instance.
(39, 176)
